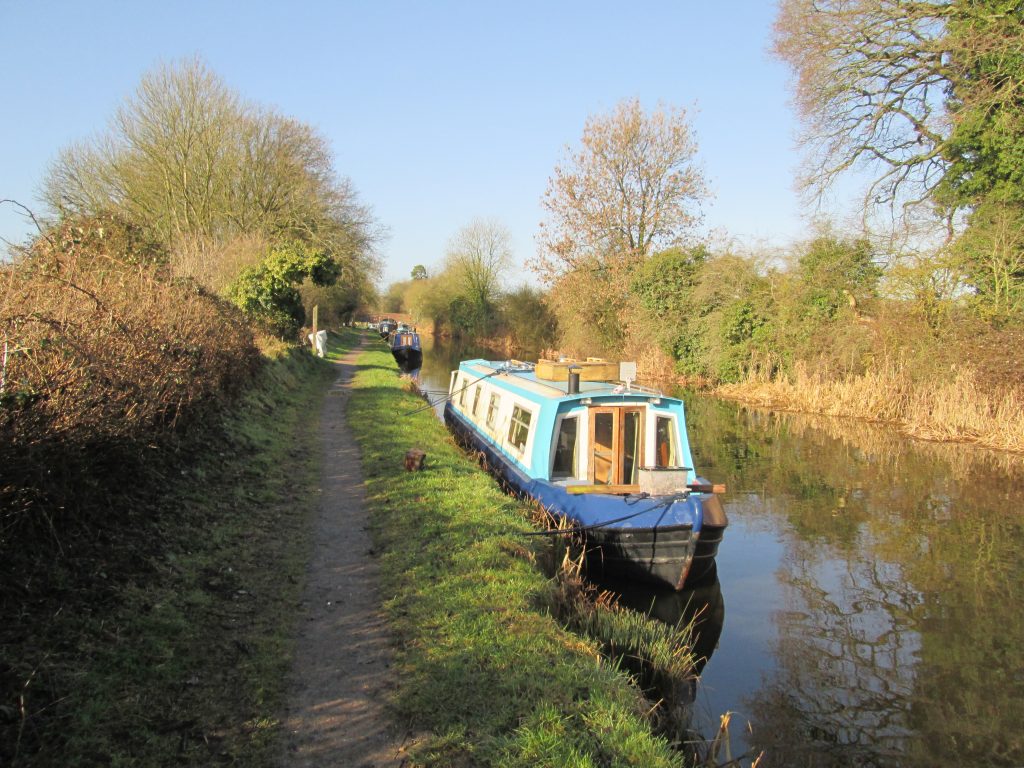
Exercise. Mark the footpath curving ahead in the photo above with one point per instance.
(342, 668)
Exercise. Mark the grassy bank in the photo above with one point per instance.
(487, 675)
(162, 636)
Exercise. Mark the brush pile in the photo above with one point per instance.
(107, 362)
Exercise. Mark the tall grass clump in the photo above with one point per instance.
(106, 363)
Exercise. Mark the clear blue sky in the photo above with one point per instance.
(438, 112)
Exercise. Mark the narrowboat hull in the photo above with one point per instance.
(408, 358)
(667, 541)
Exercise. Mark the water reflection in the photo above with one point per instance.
(440, 358)
(411, 370)
(896, 634)
(874, 587)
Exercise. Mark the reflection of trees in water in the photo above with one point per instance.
(845, 668)
(903, 643)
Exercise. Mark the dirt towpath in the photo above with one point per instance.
(341, 672)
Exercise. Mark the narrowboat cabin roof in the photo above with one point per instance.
(525, 376)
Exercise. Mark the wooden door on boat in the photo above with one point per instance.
(616, 445)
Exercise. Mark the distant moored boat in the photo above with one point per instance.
(406, 349)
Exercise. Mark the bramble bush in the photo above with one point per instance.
(109, 362)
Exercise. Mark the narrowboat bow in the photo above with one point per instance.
(406, 349)
(386, 327)
(609, 458)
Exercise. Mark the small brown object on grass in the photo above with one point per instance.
(414, 459)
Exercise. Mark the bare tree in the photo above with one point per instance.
(871, 80)
(195, 166)
(631, 187)
(903, 90)
(166, 160)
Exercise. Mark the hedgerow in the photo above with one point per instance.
(107, 363)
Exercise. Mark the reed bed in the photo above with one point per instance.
(958, 408)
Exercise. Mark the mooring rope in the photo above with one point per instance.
(456, 392)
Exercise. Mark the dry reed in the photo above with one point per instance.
(957, 408)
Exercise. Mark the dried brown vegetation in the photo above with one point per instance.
(107, 362)
(955, 408)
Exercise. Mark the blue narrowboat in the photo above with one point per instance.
(609, 459)
(386, 327)
(406, 349)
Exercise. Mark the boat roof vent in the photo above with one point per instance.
(627, 373)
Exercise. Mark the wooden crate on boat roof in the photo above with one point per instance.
(591, 369)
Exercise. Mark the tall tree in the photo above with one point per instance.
(166, 159)
(478, 257)
(194, 166)
(926, 96)
(870, 86)
(631, 188)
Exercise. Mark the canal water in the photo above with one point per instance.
(869, 608)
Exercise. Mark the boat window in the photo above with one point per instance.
(566, 463)
(603, 455)
(519, 429)
(665, 443)
(476, 398)
(492, 409)
(462, 392)
(631, 448)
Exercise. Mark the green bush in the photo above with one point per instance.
(269, 295)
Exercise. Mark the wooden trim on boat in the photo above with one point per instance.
(609, 489)
(700, 487)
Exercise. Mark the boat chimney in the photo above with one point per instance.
(574, 380)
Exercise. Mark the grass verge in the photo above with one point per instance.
(163, 637)
(485, 671)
